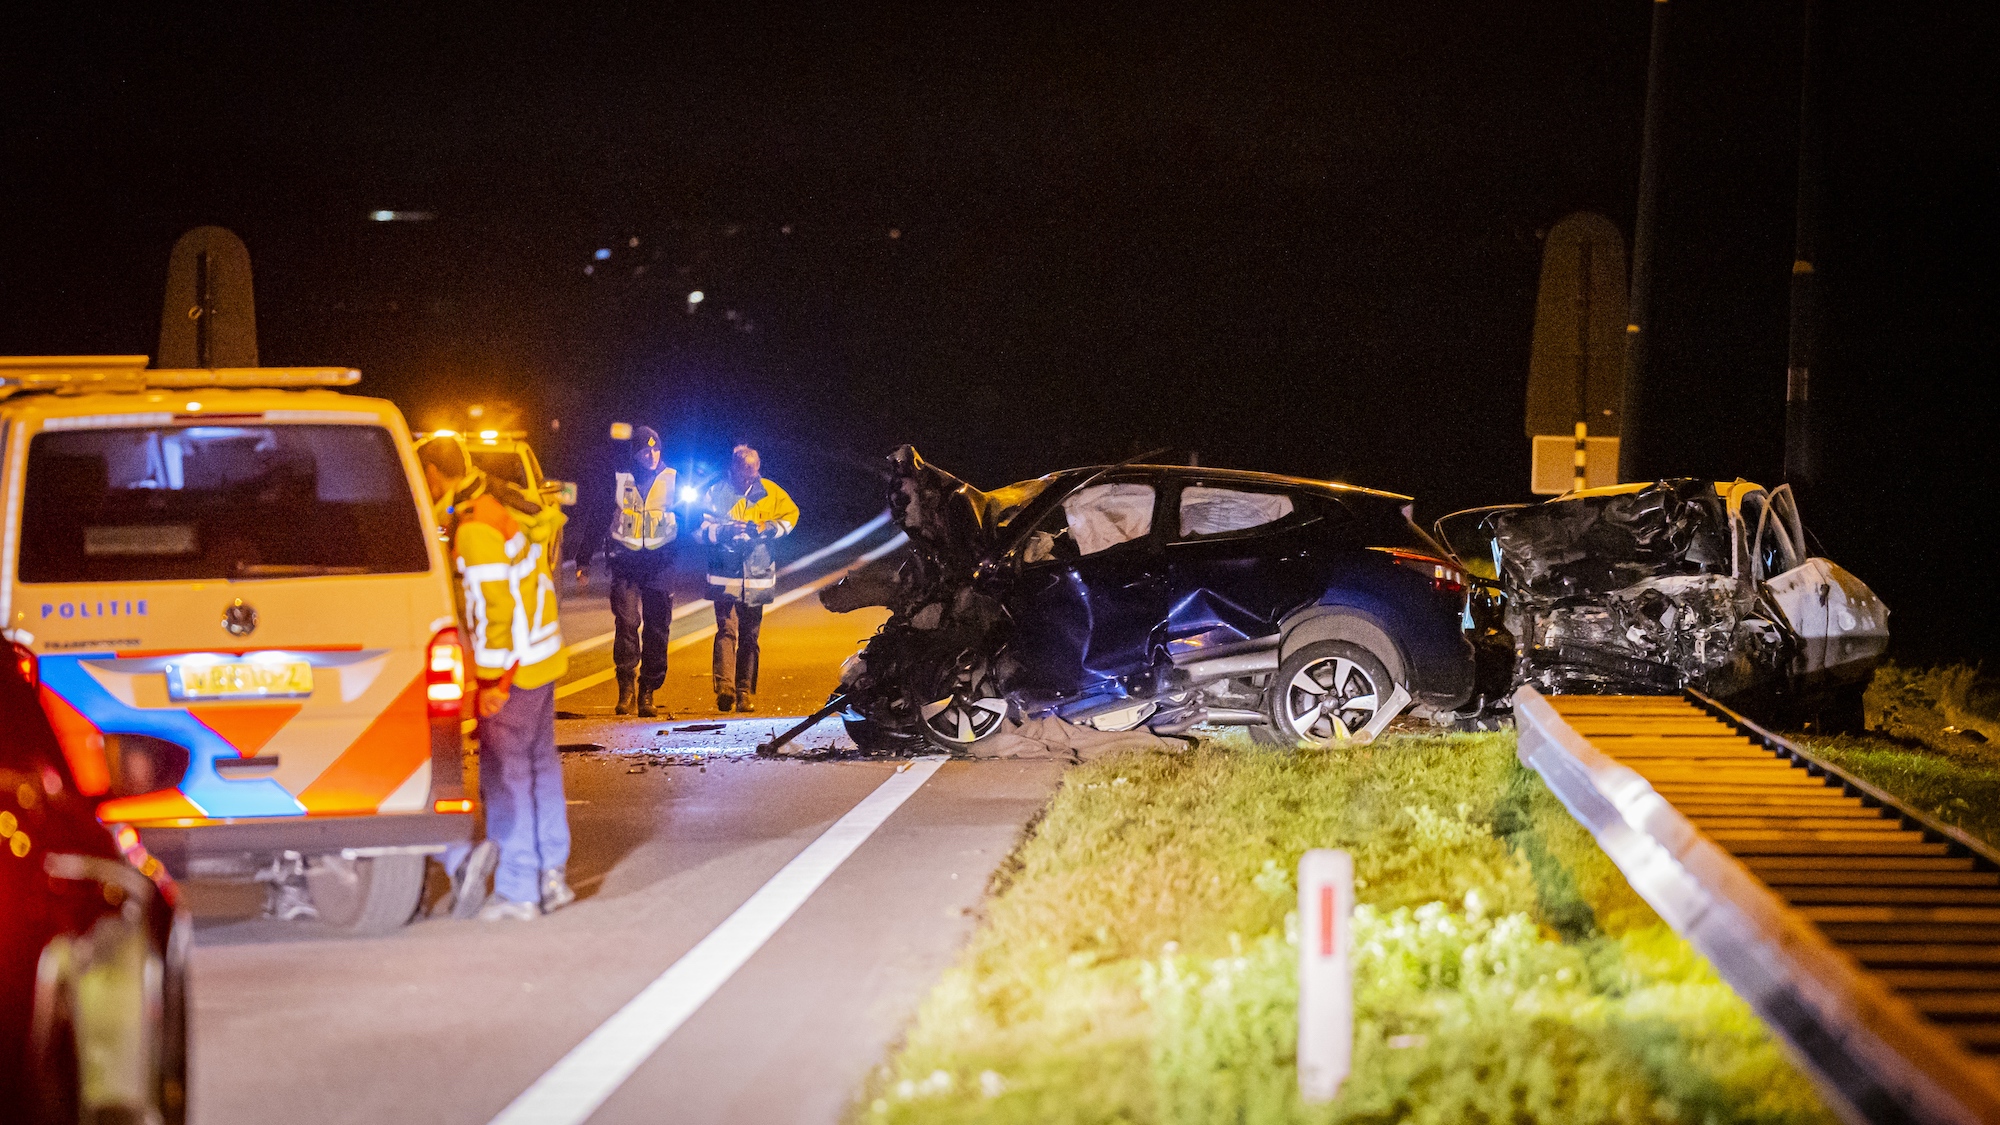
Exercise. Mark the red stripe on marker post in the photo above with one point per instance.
(1326, 981)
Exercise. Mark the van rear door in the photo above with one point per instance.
(256, 593)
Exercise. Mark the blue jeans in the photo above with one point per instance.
(521, 785)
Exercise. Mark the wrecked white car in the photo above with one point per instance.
(1650, 588)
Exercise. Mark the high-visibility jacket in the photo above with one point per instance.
(507, 588)
(743, 568)
(645, 510)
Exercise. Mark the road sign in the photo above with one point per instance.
(1326, 980)
(1576, 370)
(208, 319)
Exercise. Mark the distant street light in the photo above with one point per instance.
(695, 298)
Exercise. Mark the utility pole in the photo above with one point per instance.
(1804, 349)
(1637, 432)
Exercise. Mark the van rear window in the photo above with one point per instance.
(217, 502)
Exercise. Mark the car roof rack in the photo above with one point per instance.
(82, 374)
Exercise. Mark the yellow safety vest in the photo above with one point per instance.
(645, 523)
(507, 585)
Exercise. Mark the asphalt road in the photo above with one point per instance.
(450, 1022)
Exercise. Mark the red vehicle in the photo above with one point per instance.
(93, 945)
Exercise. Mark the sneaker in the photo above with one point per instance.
(724, 701)
(468, 883)
(507, 910)
(646, 710)
(744, 704)
(556, 892)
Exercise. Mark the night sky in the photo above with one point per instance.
(1302, 239)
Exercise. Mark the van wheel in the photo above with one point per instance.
(366, 896)
(1324, 693)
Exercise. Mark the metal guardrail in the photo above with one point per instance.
(1872, 1053)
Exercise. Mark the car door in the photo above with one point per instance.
(1239, 559)
(1839, 621)
(1091, 588)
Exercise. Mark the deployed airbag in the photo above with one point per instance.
(1216, 511)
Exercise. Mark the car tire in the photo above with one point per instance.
(956, 723)
(374, 895)
(173, 1087)
(872, 737)
(57, 1072)
(1324, 671)
(959, 706)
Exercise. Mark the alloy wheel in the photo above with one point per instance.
(962, 721)
(1330, 699)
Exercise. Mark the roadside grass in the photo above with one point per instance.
(1136, 963)
(1933, 739)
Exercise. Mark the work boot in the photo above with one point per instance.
(556, 892)
(745, 704)
(468, 883)
(628, 696)
(725, 701)
(646, 709)
(507, 910)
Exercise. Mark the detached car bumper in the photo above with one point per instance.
(221, 842)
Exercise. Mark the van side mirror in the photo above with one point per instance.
(561, 491)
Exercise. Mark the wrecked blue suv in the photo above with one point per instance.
(1157, 597)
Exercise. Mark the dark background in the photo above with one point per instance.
(1303, 238)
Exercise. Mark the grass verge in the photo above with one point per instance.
(1137, 965)
(1934, 740)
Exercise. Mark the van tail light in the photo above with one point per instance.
(444, 692)
(444, 675)
(25, 660)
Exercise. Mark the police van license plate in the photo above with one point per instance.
(240, 679)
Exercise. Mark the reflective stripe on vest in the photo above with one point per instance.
(534, 632)
(642, 523)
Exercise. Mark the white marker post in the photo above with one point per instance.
(1326, 981)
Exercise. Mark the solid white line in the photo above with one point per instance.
(573, 1088)
(707, 631)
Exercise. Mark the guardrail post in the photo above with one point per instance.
(1326, 980)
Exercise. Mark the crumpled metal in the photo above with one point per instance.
(1633, 594)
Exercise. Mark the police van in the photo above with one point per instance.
(228, 588)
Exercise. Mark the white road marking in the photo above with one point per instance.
(594, 1069)
(707, 631)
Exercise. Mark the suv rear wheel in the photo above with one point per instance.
(366, 896)
(1326, 692)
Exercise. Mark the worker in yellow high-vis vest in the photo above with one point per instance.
(742, 515)
(639, 552)
(500, 539)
